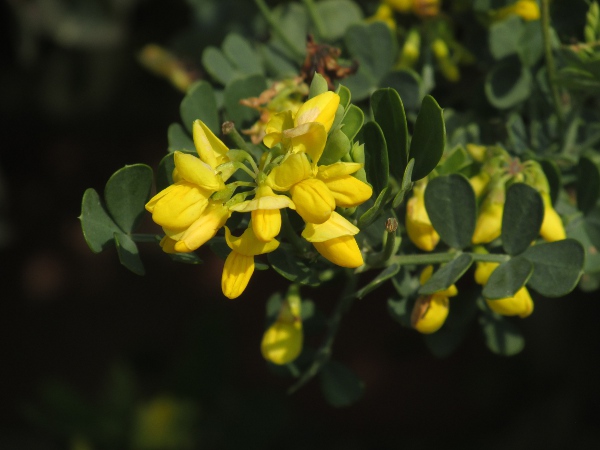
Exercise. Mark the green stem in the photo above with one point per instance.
(266, 12)
(380, 259)
(439, 258)
(229, 129)
(142, 237)
(324, 353)
(289, 233)
(550, 63)
(316, 19)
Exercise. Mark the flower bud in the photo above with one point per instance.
(552, 227)
(418, 226)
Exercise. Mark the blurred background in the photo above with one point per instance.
(95, 357)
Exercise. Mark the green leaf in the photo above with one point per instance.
(164, 172)
(200, 103)
(406, 184)
(429, 138)
(508, 278)
(522, 218)
(288, 265)
(504, 36)
(455, 161)
(557, 266)
(98, 227)
(400, 311)
(291, 17)
(241, 54)
(337, 146)
(451, 206)
(383, 276)
(447, 275)
(238, 89)
(185, 258)
(345, 96)
(340, 386)
(388, 112)
(586, 229)
(508, 83)
(337, 16)
(276, 62)
(530, 46)
(517, 134)
(179, 139)
(408, 85)
(318, 85)
(353, 121)
(373, 212)
(126, 194)
(217, 65)
(553, 176)
(128, 253)
(501, 336)
(588, 184)
(376, 157)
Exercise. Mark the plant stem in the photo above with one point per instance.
(289, 233)
(316, 19)
(438, 258)
(228, 129)
(264, 9)
(550, 64)
(142, 237)
(324, 352)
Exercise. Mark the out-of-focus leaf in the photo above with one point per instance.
(340, 386)
(429, 138)
(508, 278)
(522, 218)
(200, 103)
(447, 275)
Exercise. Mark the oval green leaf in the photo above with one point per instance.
(200, 103)
(501, 336)
(98, 227)
(376, 157)
(522, 218)
(447, 275)
(128, 253)
(429, 138)
(508, 278)
(451, 206)
(588, 184)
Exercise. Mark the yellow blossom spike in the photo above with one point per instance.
(237, 271)
(197, 172)
(292, 170)
(418, 226)
(321, 108)
(210, 148)
(266, 224)
(247, 244)
(520, 305)
(179, 205)
(314, 201)
(203, 229)
(338, 169)
(552, 227)
(430, 313)
(349, 191)
(309, 138)
(276, 125)
(489, 223)
(342, 251)
(282, 343)
(334, 227)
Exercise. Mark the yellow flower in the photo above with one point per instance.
(477, 152)
(426, 8)
(282, 341)
(527, 9)
(430, 311)
(489, 221)
(520, 304)
(402, 6)
(384, 14)
(552, 227)
(418, 226)
(411, 49)
(334, 240)
(347, 190)
(210, 148)
(479, 182)
(164, 63)
(201, 230)
(264, 209)
(239, 265)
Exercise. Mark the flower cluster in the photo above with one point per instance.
(497, 170)
(201, 199)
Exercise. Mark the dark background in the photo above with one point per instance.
(70, 115)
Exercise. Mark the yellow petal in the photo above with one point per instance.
(266, 224)
(197, 172)
(552, 227)
(179, 206)
(309, 138)
(520, 305)
(349, 191)
(203, 229)
(248, 244)
(489, 224)
(479, 183)
(400, 5)
(430, 313)
(314, 202)
(484, 271)
(282, 343)
(168, 245)
(276, 125)
(265, 198)
(342, 251)
(418, 226)
(334, 227)
(452, 291)
(321, 108)
(292, 170)
(338, 169)
(237, 271)
(209, 147)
